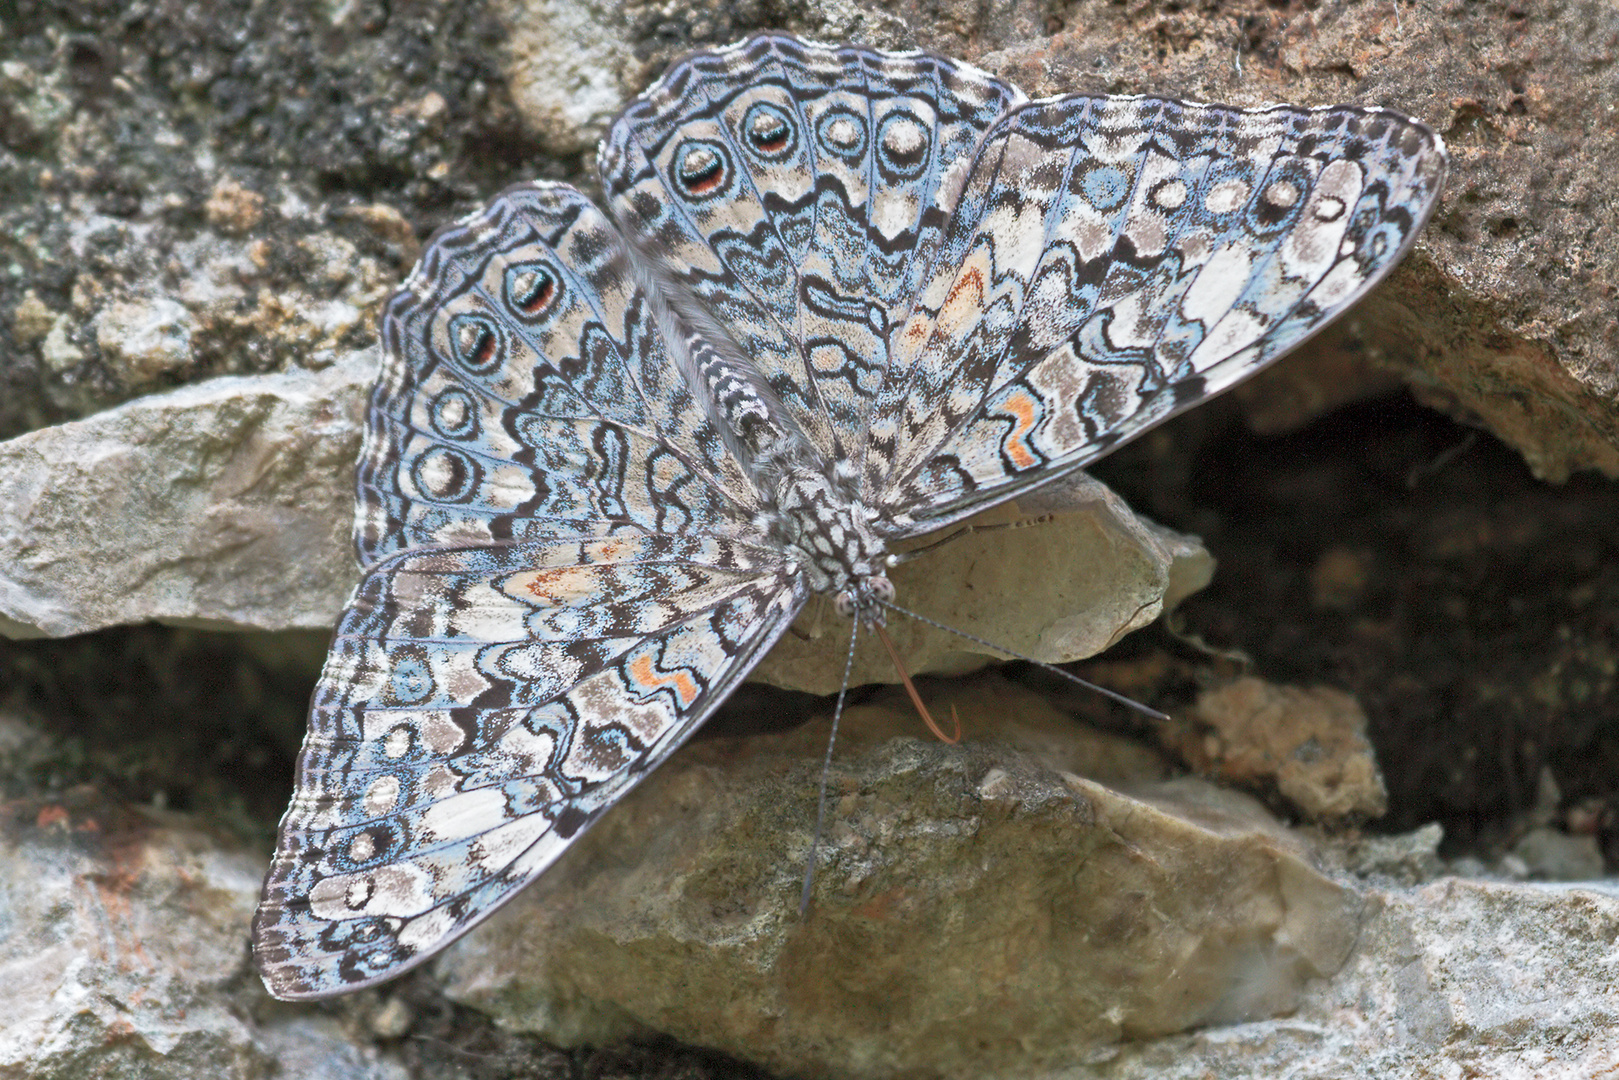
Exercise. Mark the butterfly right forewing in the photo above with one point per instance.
(1115, 260)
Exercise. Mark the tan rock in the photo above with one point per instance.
(978, 910)
(1310, 742)
(1059, 576)
(144, 339)
(565, 66)
(224, 504)
(232, 208)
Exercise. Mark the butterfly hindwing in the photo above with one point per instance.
(480, 707)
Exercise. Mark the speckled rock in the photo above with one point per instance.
(1308, 741)
(122, 949)
(1455, 978)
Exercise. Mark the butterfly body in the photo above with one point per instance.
(844, 298)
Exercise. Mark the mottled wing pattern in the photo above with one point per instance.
(798, 193)
(565, 584)
(1114, 260)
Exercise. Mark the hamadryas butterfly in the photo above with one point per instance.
(843, 298)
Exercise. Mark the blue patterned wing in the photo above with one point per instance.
(796, 193)
(1115, 260)
(563, 580)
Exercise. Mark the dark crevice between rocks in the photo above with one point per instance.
(1483, 637)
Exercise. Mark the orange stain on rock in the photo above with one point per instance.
(50, 815)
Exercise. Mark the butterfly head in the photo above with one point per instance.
(865, 598)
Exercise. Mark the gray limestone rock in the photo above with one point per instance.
(224, 504)
(123, 949)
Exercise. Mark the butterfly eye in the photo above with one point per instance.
(1279, 199)
(476, 343)
(1103, 186)
(700, 170)
(530, 289)
(902, 146)
(768, 132)
(1225, 197)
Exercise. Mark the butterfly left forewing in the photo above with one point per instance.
(480, 708)
(1114, 260)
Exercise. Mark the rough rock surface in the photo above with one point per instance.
(1057, 576)
(122, 953)
(680, 913)
(226, 504)
(1310, 741)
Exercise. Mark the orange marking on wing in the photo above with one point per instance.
(970, 282)
(550, 584)
(645, 674)
(1021, 407)
(916, 331)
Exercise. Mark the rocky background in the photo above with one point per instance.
(1377, 838)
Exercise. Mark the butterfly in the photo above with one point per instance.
(841, 298)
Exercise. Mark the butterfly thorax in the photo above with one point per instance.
(831, 534)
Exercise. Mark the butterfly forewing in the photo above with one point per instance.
(1113, 260)
(526, 393)
(799, 191)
